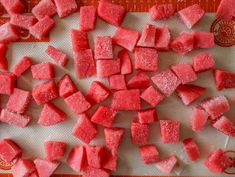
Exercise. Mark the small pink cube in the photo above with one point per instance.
(226, 126)
(79, 40)
(94, 156)
(66, 87)
(152, 96)
(191, 149)
(149, 154)
(166, 165)
(201, 37)
(7, 83)
(23, 167)
(87, 18)
(23, 21)
(199, 118)
(117, 82)
(147, 38)
(107, 68)
(109, 160)
(12, 6)
(65, 7)
(8, 33)
(140, 80)
(44, 8)
(103, 47)
(76, 158)
(170, 131)
(58, 56)
(45, 167)
(147, 116)
(203, 62)
(24, 64)
(43, 71)
(126, 65)
(161, 11)
(163, 39)
(224, 79)
(139, 133)
(54, 150)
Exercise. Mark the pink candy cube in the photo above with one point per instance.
(117, 82)
(54, 150)
(201, 37)
(45, 167)
(13, 6)
(147, 116)
(107, 68)
(203, 62)
(66, 87)
(23, 21)
(109, 160)
(43, 71)
(87, 18)
(65, 7)
(76, 158)
(8, 33)
(147, 38)
(23, 167)
(139, 133)
(191, 149)
(9, 150)
(163, 39)
(44, 8)
(140, 80)
(103, 47)
(126, 65)
(152, 96)
(149, 154)
(94, 156)
(7, 83)
(24, 64)
(170, 131)
(57, 55)
(225, 10)
(226, 126)
(199, 118)
(79, 40)
(224, 79)
(166, 165)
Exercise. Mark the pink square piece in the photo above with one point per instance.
(23, 21)
(203, 62)
(66, 86)
(117, 82)
(140, 80)
(161, 11)
(170, 131)
(166, 165)
(199, 118)
(45, 167)
(7, 83)
(79, 40)
(109, 160)
(77, 158)
(107, 68)
(57, 55)
(126, 65)
(147, 116)
(225, 10)
(149, 154)
(43, 71)
(8, 33)
(226, 126)
(54, 150)
(139, 133)
(65, 7)
(24, 64)
(12, 6)
(152, 96)
(103, 47)
(44, 8)
(201, 37)
(23, 167)
(224, 79)
(191, 149)
(94, 156)
(87, 18)
(163, 39)
(147, 38)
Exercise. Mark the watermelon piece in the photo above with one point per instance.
(225, 10)
(147, 38)
(140, 80)
(126, 38)
(217, 161)
(45, 168)
(109, 160)
(34, 174)
(103, 47)
(23, 21)
(77, 103)
(95, 172)
(111, 13)
(162, 39)
(225, 126)
(18, 100)
(87, 18)
(203, 62)
(113, 138)
(42, 27)
(104, 116)
(45, 92)
(167, 165)
(191, 15)
(44, 8)
(84, 64)
(170, 131)
(16, 119)
(201, 37)
(189, 93)
(79, 40)
(97, 92)
(139, 133)
(66, 87)
(84, 129)
(3, 60)
(146, 59)
(191, 149)
(7, 83)
(184, 72)
(199, 118)
(152, 96)
(126, 65)
(147, 116)
(58, 56)
(161, 11)
(117, 82)
(43, 71)
(224, 79)
(126, 100)
(51, 115)
(183, 43)
(149, 154)
(107, 68)
(54, 150)
(8, 33)
(166, 81)
(94, 156)
(23, 167)
(215, 106)
(76, 158)
(24, 64)
(65, 7)
(12, 6)
(9, 150)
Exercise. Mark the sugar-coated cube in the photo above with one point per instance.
(203, 40)
(23, 21)
(87, 18)
(147, 38)
(107, 68)
(12, 6)
(94, 156)
(109, 160)
(170, 131)
(45, 168)
(199, 118)
(76, 158)
(139, 133)
(203, 62)
(23, 167)
(117, 82)
(226, 126)
(224, 79)
(79, 40)
(161, 11)
(166, 165)
(126, 65)
(57, 55)
(103, 47)
(8, 33)
(54, 150)
(9, 150)
(225, 10)
(147, 116)
(152, 96)
(191, 149)
(65, 7)
(163, 39)
(24, 64)
(90, 172)
(7, 83)
(43, 71)
(140, 80)
(66, 87)
(149, 154)
(44, 8)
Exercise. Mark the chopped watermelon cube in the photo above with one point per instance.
(8, 33)
(45, 168)
(139, 133)
(191, 149)
(84, 64)
(12, 6)
(126, 38)
(203, 62)
(126, 65)
(44, 8)
(170, 131)
(147, 38)
(199, 118)
(167, 165)
(149, 154)
(147, 116)
(23, 21)
(24, 64)
(77, 103)
(113, 138)
(140, 80)
(87, 18)
(226, 10)
(117, 82)
(66, 86)
(103, 47)
(104, 116)
(163, 39)
(79, 40)
(183, 43)
(84, 129)
(152, 96)
(9, 150)
(162, 11)
(16, 119)
(43, 71)
(189, 93)
(77, 158)
(23, 167)
(109, 160)
(146, 59)
(54, 150)
(58, 56)
(201, 37)
(51, 115)
(126, 100)
(111, 13)
(184, 72)
(3, 60)
(7, 83)
(94, 156)
(65, 7)
(191, 15)
(97, 92)
(215, 106)
(107, 68)
(224, 79)
(91, 172)
(225, 125)
(166, 81)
